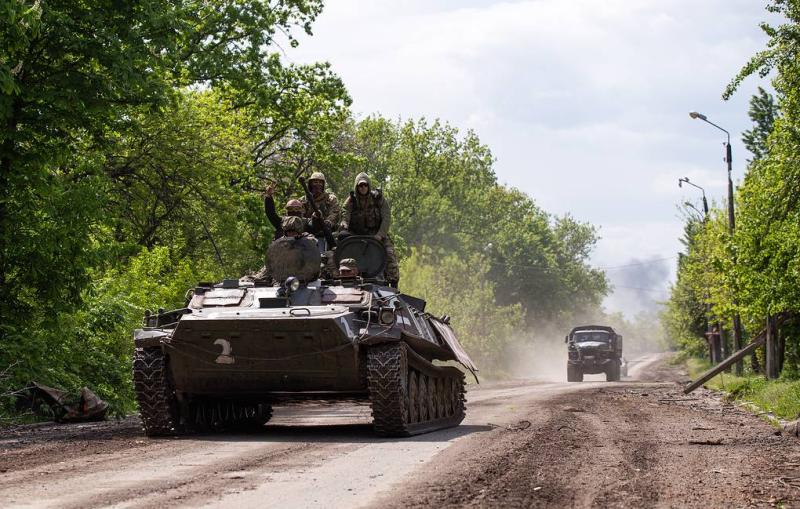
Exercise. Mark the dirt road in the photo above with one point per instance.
(524, 444)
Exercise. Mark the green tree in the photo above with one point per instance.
(460, 287)
(763, 111)
(71, 73)
(92, 164)
(768, 202)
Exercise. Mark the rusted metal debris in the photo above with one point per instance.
(62, 406)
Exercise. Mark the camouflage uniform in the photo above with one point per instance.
(327, 204)
(370, 215)
(301, 249)
(293, 208)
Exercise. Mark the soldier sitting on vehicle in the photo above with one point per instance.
(327, 203)
(295, 254)
(366, 212)
(294, 207)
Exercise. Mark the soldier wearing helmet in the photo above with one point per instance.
(348, 268)
(366, 212)
(293, 208)
(294, 253)
(327, 203)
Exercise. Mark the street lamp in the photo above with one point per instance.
(705, 202)
(714, 353)
(737, 324)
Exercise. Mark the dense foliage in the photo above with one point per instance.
(137, 137)
(757, 271)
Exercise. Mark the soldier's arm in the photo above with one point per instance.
(333, 211)
(272, 214)
(386, 218)
(346, 211)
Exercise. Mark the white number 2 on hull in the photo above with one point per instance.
(225, 357)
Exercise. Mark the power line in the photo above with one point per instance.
(612, 267)
(653, 290)
(654, 260)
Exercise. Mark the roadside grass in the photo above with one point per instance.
(779, 397)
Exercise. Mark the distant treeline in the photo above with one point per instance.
(755, 272)
(138, 136)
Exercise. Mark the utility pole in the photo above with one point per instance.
(737, 322)
(772, 368)
(713, 336)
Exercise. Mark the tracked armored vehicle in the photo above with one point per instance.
(594, 349)
(238, 347)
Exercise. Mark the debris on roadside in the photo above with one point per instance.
(520, 426)
(717, 441)
(62, 406)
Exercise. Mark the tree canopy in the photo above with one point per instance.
(756, 271)
(137, 138)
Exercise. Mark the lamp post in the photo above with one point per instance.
(737, 323)
(714, 338)
(705, 202)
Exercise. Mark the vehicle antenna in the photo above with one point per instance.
(216, 249)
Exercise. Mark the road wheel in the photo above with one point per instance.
(447, 391)
(612, 374)
(422, 400)
(433, 412)
(574, 373)
(457, 398)
(441, 398)
(413, 397)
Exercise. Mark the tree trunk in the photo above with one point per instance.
(771, 368)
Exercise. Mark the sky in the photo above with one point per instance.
(584, 103)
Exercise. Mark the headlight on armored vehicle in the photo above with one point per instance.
(292, 284)
(386, 316)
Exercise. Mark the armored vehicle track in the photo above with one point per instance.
(409, 395)
(162, 414)
(158, 406)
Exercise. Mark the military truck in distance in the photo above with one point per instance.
(238, 347)
(594, 349)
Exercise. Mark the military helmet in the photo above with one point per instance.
(348, 267)
(349, 262)
(292, 224)
(294, 207)
(317, 175)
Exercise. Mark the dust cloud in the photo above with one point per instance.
(542, 356)
(541, 353)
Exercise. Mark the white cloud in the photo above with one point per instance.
(583, 102)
